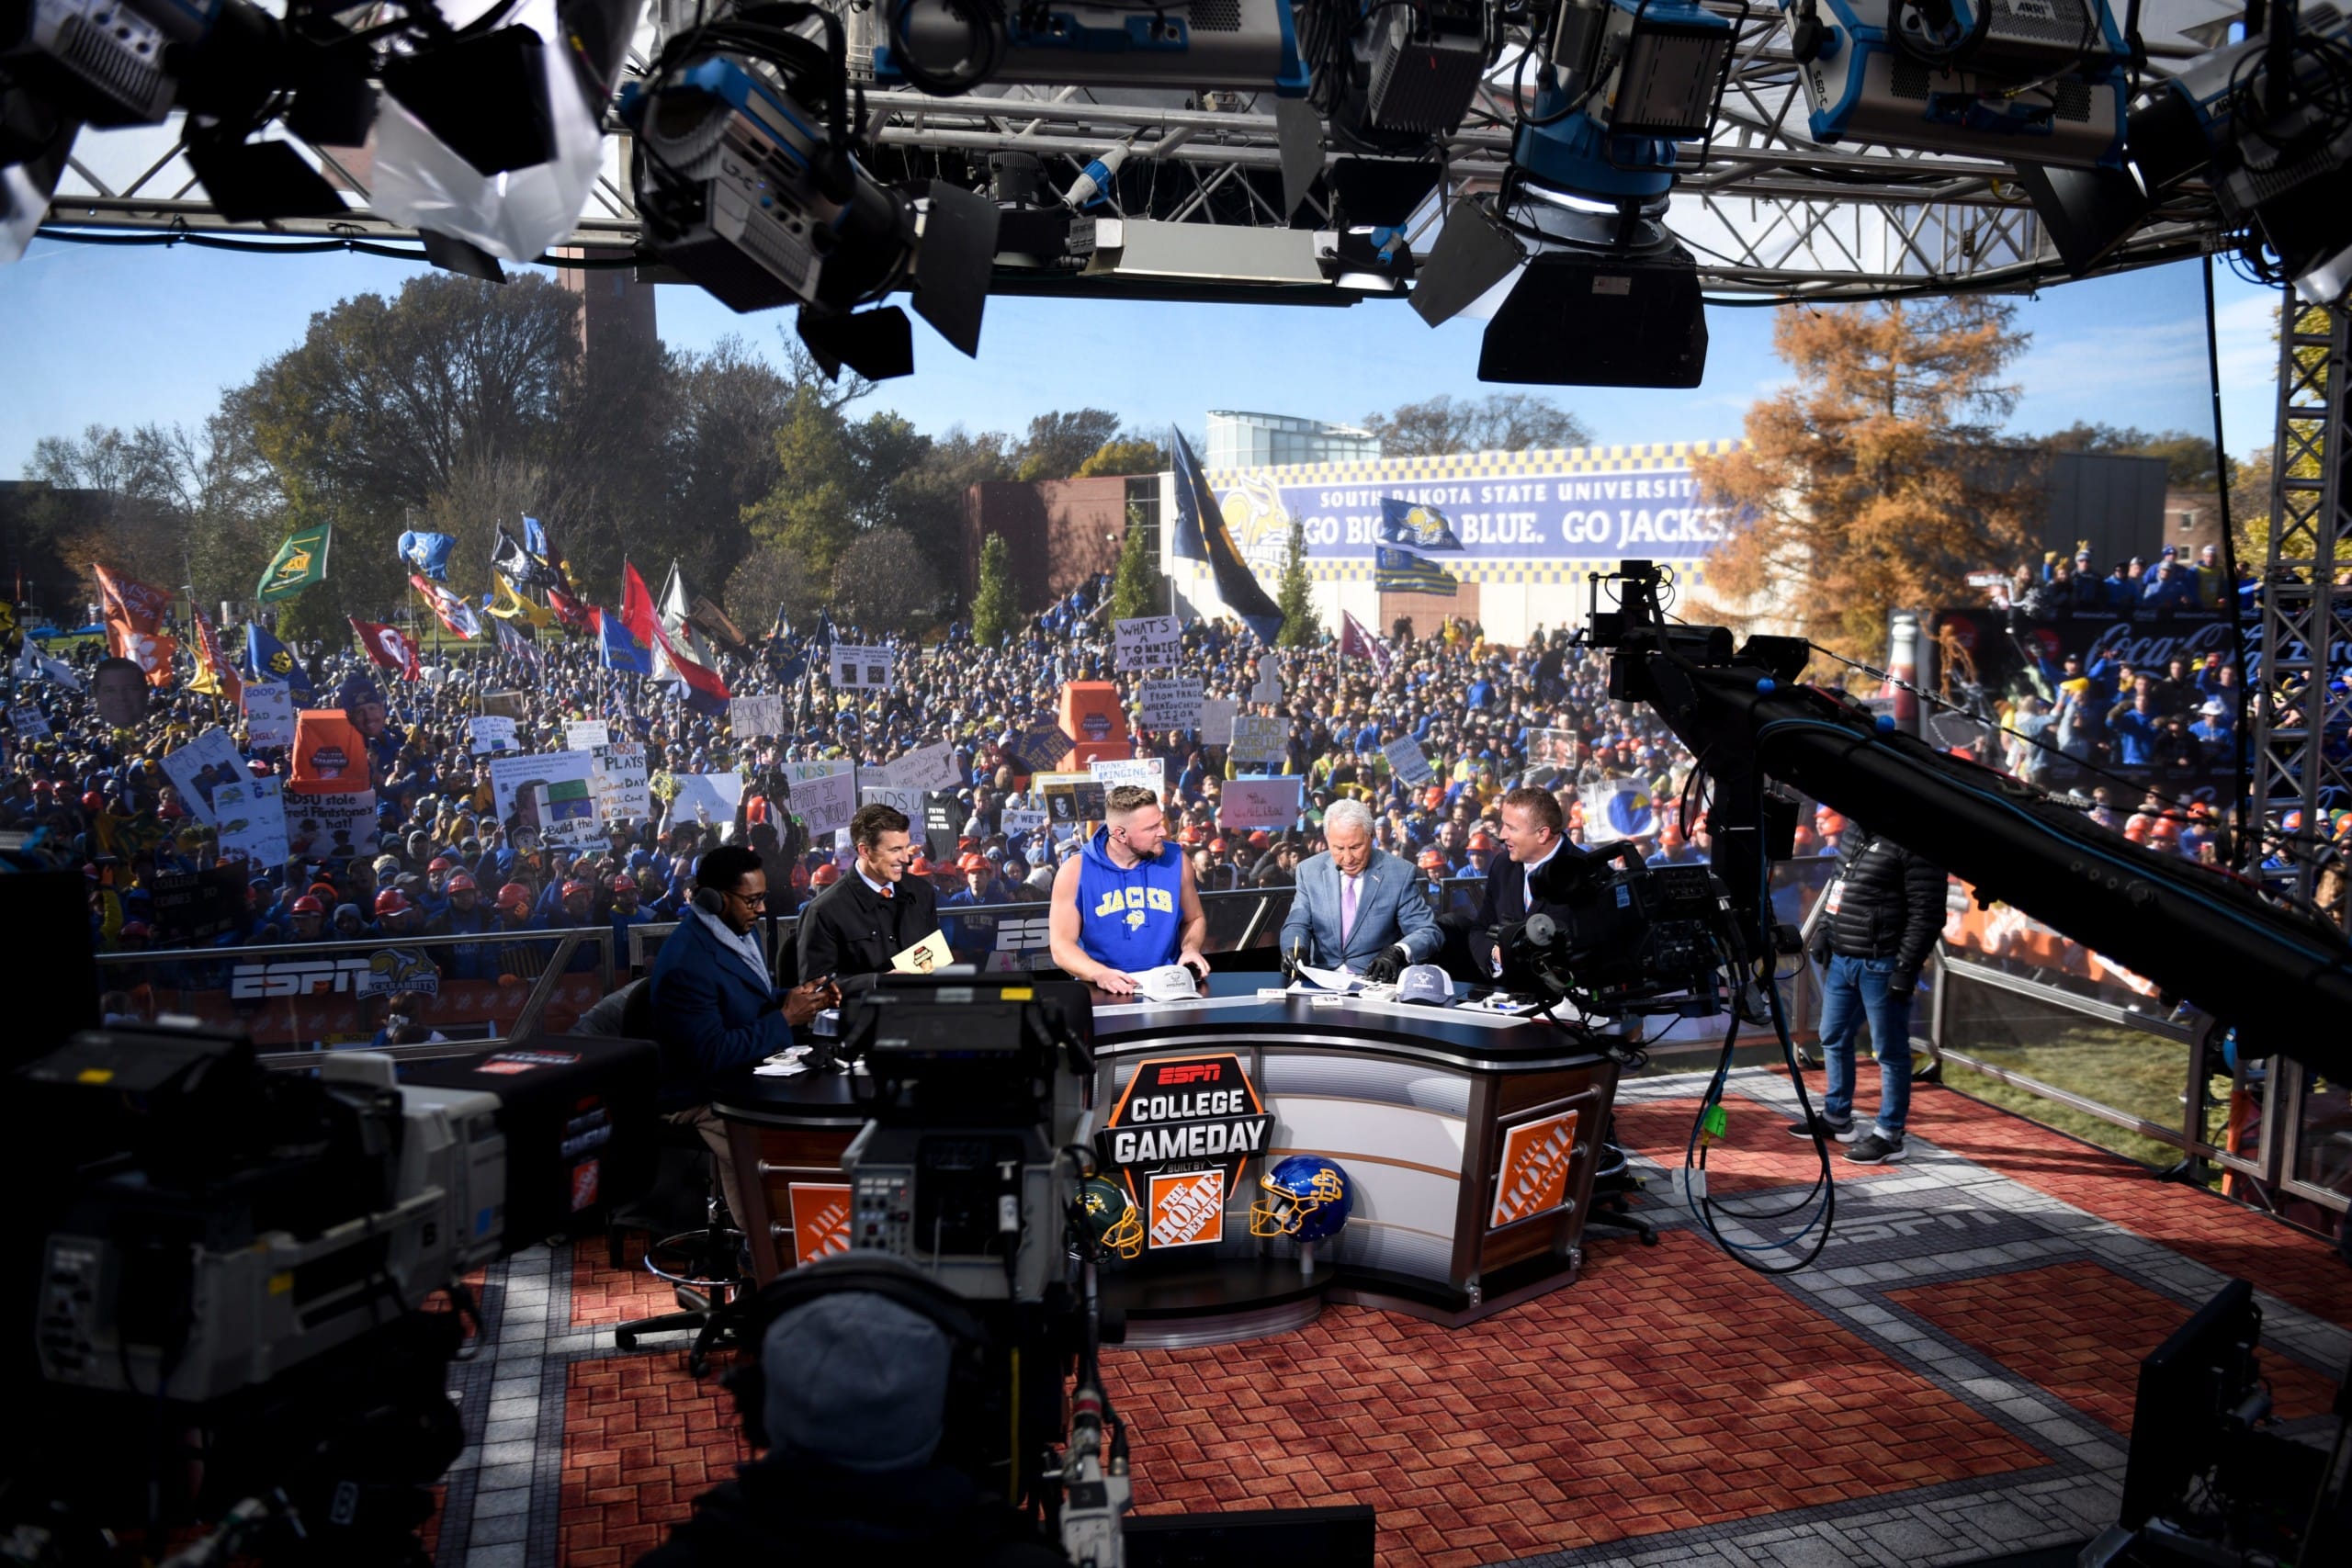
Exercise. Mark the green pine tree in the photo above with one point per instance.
(994, 611)
(1138, 587)
(1301, 627)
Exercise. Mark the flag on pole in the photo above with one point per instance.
(1417, 524)
(301, 561)
(520, 566)
(1401, 571)
(215, 676)
(540, 543)
(1200, 528)
(516, 606)
(679, 656)
(1355, 642)
(133, 611)
(511, 640)
(427, 553)
(576, 615)
(619, 648)
(267, 659)
(388, 647)
(713, 620)
(453, 610)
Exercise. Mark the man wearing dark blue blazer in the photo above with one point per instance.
(715, 1004)
(1357, 907)
(1533, 837)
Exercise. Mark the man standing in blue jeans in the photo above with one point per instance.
(1885, 911)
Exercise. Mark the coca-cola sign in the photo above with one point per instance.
(2145, 642)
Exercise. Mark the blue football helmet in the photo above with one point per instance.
(1308, 1199)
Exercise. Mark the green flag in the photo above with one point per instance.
(301, 561)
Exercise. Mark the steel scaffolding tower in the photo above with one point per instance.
(2301, 726)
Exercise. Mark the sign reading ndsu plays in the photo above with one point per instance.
(1184, 1128)
(1534, 1175)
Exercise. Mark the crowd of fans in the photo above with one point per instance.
(1487, 718)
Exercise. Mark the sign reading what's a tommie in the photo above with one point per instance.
(1197, 1115)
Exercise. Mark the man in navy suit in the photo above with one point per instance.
(1534, 834)
(714, 1000)
(1357, 907)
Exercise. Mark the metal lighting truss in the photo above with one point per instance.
(2300, 724)
(1762, 209)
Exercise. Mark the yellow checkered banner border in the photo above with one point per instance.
(1545, 517)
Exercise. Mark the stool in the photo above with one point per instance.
(707, 1266)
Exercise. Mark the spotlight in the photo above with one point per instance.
(2041, 80)
(2267, 122)
(748, 184)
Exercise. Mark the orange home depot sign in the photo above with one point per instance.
(2000, 930)
(820, 1220)
(1534, 1175)
(1186, 1209)
(330, 754)
(1091, 716)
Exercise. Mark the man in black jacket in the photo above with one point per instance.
(1535, 835)
(855, 927)
(1885, 911)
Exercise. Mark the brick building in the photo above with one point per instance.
(1060, 532)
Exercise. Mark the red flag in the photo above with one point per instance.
(1355, 642)
(571, 611)
(388, 647)
(134, 617)
(456, 614)
(637, 606)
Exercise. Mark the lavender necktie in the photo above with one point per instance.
(1347, 907)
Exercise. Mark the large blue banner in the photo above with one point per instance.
(1584, 504)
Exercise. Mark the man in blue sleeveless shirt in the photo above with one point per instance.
(1126, 903)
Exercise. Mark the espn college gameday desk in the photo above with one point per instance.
(1468, 1139)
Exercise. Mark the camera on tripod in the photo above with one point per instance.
(244, 1253)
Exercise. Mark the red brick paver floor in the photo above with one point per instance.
(642, 1439)
(1669, 1389)
(2080, 1330)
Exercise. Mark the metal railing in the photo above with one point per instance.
(2085, 1047)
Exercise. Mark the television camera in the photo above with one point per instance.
(1619, 936)
(246, 1255)
(969, 1172)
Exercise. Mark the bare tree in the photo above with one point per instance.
(1500, 422)
(882, 583)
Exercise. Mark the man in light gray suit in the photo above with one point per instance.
(1357, 907)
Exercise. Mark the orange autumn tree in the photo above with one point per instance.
(1874, 481)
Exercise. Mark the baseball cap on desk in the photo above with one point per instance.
(1425, 982)
(1169, 983)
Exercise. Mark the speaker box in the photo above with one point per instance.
(1586, 320)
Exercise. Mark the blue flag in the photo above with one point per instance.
(621, 650)
(1401, 571)
(1414, 524)
(535, 538)
(267, 659)
(428, 553)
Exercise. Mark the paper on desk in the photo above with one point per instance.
(1332, 979)
(932, 952)
(779, 1069)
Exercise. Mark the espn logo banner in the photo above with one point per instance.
(1535, 1176)
(1187, 1208)
(820, 1220)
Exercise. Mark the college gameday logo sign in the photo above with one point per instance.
(1182, 1131)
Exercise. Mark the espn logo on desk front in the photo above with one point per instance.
(1187, 1209)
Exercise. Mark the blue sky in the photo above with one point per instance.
(129, 334)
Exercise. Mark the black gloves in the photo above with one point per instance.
(1383, 970)
(1292, 959)
(1903, 987)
